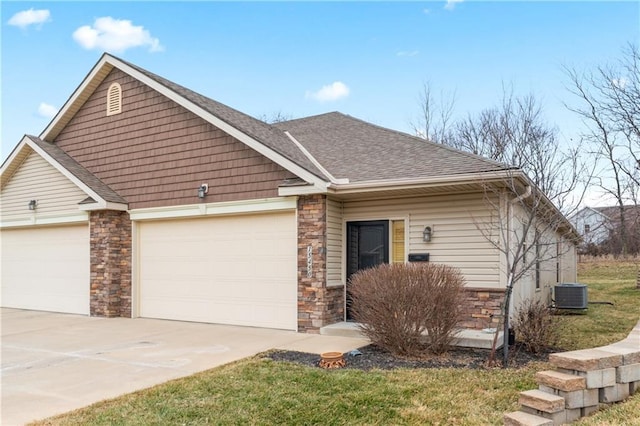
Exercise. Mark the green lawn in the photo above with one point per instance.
(260, 391)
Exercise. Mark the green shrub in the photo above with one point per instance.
(408, 308)
(535, 326)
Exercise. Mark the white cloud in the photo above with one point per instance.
(426, 11)
(451, 4)
(619, 83)
(46, 110)
(408, 53)
(330, 92)
(29, 17)
(115, 35)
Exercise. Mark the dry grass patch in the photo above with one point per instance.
(259, 391)
(607, 281)
(266, 392)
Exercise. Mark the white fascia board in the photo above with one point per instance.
(86, 189)
(289, 191)
(227, 128)
(215, 209)
(39, 220)
(88, 80)
(16, 151)
(103, 205)
(370, 186)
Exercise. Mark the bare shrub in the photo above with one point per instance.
(535, 326)
(405, 308)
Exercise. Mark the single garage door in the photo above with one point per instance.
(46, 269)
(237, 270)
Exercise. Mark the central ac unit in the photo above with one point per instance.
(571, 296)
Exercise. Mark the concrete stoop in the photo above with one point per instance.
(581, 382)
(465, 338)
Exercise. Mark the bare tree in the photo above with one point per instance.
(275, 117)
(609, 104)
(529, 202)
(527, 229)
(435, 116)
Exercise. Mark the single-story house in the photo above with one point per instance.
(143, 198)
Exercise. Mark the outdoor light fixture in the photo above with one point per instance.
(33, 204)
(426, 234)
(203, 190)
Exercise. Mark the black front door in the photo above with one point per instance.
(367, 246)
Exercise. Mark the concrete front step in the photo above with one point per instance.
(520, 418)
(541, 401)
(465, 338)
(561, 381)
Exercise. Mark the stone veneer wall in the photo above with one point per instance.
(482, 308)
(317, 304)
(110, 240)
(581, 382)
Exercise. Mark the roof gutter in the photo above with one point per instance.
(370, 186)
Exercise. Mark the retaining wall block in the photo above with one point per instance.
(628, 373)
(614, 393)
(597, 378)
(574, 399)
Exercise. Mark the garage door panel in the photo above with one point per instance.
(46, 269)
(227, 270)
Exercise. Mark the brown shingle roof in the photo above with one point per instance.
(264, 133)
(351, 148)
(82, 174)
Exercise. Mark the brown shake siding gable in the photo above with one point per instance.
(156, 153)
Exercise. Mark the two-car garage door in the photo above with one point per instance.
(237, 270)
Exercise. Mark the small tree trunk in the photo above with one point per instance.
(505, 322)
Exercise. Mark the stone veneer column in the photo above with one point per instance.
(317, 305)
(110, 241)
(482, 308)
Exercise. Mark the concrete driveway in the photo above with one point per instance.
(53, 363)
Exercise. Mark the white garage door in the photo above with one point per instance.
(226, 270)
(46, 269)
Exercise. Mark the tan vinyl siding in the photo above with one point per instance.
(456, 239)
(37, 180)
(334, 242)
(156, 153)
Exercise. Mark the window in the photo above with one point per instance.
(397, 239)
(114, 99)
(558, 259)
(587, 229)
(537, 261)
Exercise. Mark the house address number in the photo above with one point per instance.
(309, 261)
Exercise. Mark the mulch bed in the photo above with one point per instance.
(373, 357)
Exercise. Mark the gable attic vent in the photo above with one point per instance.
(114, 99)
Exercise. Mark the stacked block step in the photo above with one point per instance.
(581, 382)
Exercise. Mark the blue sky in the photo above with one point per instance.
(368, 60)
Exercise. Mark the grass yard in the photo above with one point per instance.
(265, 392)
(608, 281)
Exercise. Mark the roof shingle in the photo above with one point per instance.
(82, 174)
(359, 151)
